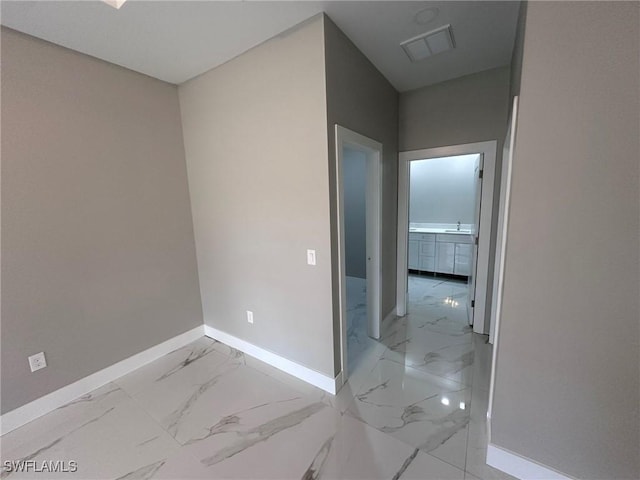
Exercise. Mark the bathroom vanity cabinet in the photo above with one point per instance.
(440, 252)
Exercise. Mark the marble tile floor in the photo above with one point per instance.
(207, 411)
(357, 339)
(429, 388)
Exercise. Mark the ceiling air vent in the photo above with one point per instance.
(428, 44)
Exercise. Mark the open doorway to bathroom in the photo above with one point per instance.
(444, 215)
(459, 188)
(443, 198)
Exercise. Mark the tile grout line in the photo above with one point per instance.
(147, 413)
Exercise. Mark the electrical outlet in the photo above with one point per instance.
(249, 316)
(37, 361)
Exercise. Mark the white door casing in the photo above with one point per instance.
(501, 246)
(488, 150)
(473, 268)
(373, 151)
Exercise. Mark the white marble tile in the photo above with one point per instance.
(358, 451)
(441, 355)
(340, 401)
(192, 362)
(425, 466)
(363, 352)
(105, 432)
(179, 466)
(290, 381)
(444, 355)
(358, 340)
(274, 373)
(477, 440)
(195, 399)
(66, 418)
(357, 376)
(453, 450)
(262, 435)
(325, 444)
(235, 354)
(436, 298)
(421, 287)
(356, 292)
(469, 476)
(434, 336)
(423, 410)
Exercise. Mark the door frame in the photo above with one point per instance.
(473, 268)
(503, 217)
(373, 149)
(501, 247)
(483, 290)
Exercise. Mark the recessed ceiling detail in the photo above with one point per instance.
(431, 43)
(426, 15)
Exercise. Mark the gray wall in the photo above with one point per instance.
(361, 99)
(355, 212)
(98, 259)
(443, 190)
(256, 150)
(518, 47)
(474, 108)
(567, 391)
(468, 109)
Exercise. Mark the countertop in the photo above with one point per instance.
(440, 230)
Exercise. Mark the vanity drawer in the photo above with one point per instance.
(454, 238)
(423, 237)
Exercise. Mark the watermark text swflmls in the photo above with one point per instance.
(43, 466)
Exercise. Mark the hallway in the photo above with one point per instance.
(427, 382)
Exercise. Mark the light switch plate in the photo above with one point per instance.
(311, 257)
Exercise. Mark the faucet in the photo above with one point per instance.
(458, 225)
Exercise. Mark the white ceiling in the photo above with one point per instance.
(177, 40)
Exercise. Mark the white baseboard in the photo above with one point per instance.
(520, 467)
(43, 405)
(320, 380)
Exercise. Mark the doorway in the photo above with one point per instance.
(358, 189)
(444, 211)
(474, 252)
